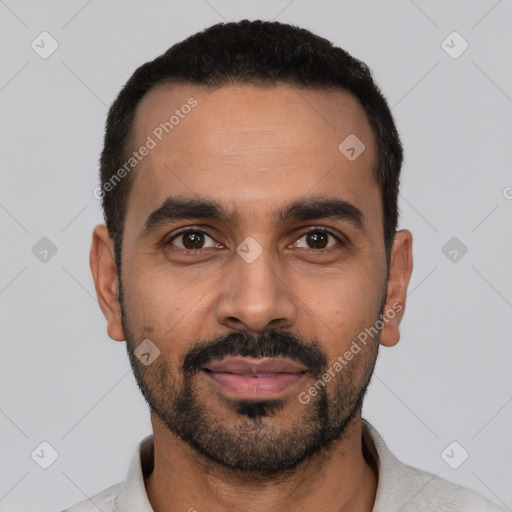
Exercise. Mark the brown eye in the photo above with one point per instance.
(318, 239)
(191, 240)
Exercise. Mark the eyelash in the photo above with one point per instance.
(198, 251)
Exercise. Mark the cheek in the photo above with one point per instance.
(151, 303)
(344, 309)
(168, 312)
(352, 295)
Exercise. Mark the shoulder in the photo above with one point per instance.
(430, 492)
(409, 489)
(106, 501)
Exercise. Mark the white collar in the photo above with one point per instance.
(132, 493)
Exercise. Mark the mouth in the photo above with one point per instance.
(249, 378)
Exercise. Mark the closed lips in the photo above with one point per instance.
(263, 367)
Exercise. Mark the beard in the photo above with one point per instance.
(258, 440)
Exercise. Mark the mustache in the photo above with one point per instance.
(267, 344)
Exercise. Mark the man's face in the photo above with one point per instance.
(255, 286)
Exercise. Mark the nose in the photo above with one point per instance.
(254, 296)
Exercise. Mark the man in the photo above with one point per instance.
(250, 260)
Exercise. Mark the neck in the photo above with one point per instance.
(184, 480)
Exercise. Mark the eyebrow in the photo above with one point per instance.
(178, 208)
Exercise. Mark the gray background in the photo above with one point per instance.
(62, 380)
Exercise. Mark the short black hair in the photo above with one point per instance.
(260, 53)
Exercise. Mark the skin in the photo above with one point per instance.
(265, 147)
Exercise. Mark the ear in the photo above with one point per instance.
(103, 268)
(400, 269)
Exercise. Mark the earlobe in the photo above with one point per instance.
(104, 272)
(400, 270)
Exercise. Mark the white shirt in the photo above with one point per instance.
(401, 488)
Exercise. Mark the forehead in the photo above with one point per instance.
(252, 114)
(243, 145)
